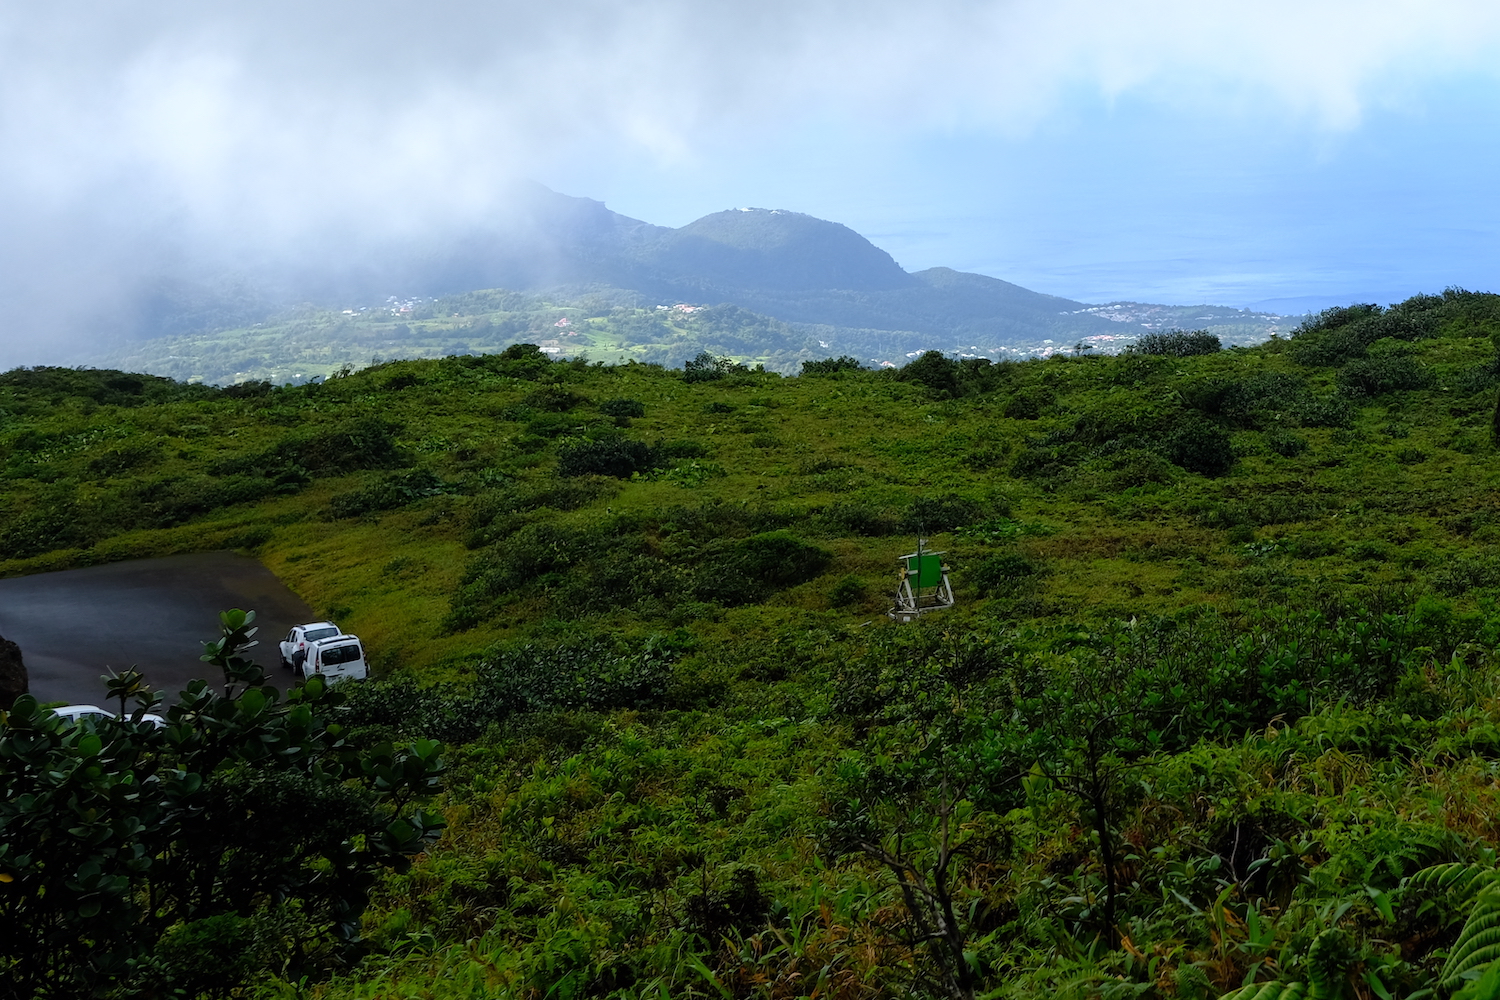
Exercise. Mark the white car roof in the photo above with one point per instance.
(76, 712)
(341, 637)
(316, 625)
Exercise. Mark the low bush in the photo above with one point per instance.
(708, 368)
(1176, 344)
(551, 399)
(862, 518)
(1027, 404)
(1286, 444)
(1201, 447)
(1466, 573)
(389, 493)
(617, 457)
(1001, 575)
(368, 443)
(100, 385)
(123, 458)
(850, 590)
(622, 408)
(1249, 401)
(936, 371)
(831, 366)
(1340, 335)
(944, 512)
(751, 569)
(1375, 376)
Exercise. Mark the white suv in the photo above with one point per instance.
(339, 658)
(74, 714)
(294, 646)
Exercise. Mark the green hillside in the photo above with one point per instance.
(613, 326)
(608, 326)
(1220, 695)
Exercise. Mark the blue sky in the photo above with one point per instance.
(1291, 153)
(1132, 198)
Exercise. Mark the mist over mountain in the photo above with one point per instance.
(785, 265)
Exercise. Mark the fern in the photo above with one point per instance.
(1269, 991)
(1448, 890)
(1192, 983)
(1328, 959)
(1478, 943)
(1486, 987)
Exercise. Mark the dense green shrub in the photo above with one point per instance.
(1339, 335)
(1324, 411)
(1028, 404)
(936, 371)
(171, 500)
(103, 386)
(707, 368)
(1265, 399)
(832, 366)
(1040, 458)
(1286, 444)
(123, 458)
(1201, 447)
(549, 425)
(51, 526)
(849, 590)
(1131, 467)
(551, 399)
(617, 457)
(1374, 376)
(1251, 400)
(588, 672)
(388, 493)
(1000, 575)
(858, 517)
(367, 443)
(132, 855)
(751, 569)
(1176, 344)
(249, 389)
(524, 361)
(622, 408)
(667, 451)
(1467, 572)
(943, 512)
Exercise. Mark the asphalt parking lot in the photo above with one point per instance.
(151, 613)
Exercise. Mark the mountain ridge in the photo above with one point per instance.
(788, 266)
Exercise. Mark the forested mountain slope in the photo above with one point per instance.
(1220, 695)
(787, 266)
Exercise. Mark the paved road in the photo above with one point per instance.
(151, 613)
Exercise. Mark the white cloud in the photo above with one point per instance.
(247, 109)
(259, 123)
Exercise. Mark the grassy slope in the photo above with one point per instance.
(581, 838)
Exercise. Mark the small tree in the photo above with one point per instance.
(923, 863)
(117, 834)
(1095, 719)
(708, 367)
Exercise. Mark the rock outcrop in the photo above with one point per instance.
(13, 679)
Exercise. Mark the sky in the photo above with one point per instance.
(1275, 154)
